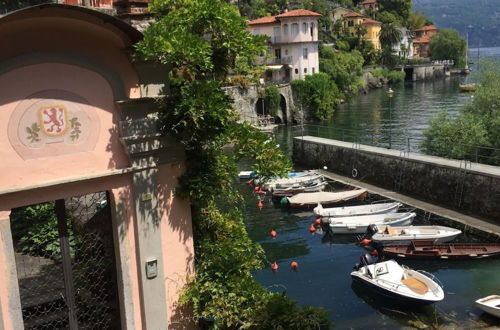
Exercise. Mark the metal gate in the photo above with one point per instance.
(66, 265)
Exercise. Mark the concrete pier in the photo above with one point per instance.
(468, 193)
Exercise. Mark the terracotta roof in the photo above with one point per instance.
(353, 14)
(421, 40)
(427, 28)
(368, 2)
(263, 20)
(297, 13)
(371, 21)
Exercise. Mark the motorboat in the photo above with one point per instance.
(451, 251)
(315, 186)
(490, 304)
(358, 224)
(312, 199)
(398, 282)
(403, 235)
(327, 214)
(468, 87)
(302, 179)
(243, 175)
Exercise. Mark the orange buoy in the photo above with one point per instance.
(273, 233)
(261, 192)
(312, 229)
(365, 241)
(363, 195)
(256, 188)
(260, 205)
(274, 266)
(317, 221)
(294, 265)
(249, 182)
(375, 253)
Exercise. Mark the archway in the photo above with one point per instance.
(260, 107)
(283, 108)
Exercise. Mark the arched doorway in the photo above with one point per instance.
(283, 109)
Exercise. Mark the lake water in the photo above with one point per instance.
(323, 276)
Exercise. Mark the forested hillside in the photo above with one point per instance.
(481, 18)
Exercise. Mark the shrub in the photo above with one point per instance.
(273, 98)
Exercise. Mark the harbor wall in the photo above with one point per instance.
(470, 187)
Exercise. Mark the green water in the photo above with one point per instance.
(323, 276)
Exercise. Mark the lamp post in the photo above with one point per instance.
(390, 94)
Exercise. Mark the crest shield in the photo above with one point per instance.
(53, 120)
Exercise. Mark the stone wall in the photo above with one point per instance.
(244, 100)
(474, 188)
(428, 72)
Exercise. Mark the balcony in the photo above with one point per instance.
(279, 61)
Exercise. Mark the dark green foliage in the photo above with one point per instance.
(390, 35)
(400, 8)
(476, 125)
(447, 45)
(417, 20)
(273, 98)
(317, 94)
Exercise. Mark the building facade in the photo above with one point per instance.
(353, 21)
(422, 39)
(293, 44)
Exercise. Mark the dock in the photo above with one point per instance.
(468, 222)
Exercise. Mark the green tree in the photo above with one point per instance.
(448, 45)
(201, 40)
(390, 35)
(317, 94)
(477, 123)
(417, 20)
(400, 8)
(388, 17)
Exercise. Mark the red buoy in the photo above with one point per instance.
(294, 265)
(260, 205)
(375, 253)
(256, 188)
(317, 221)
(274, 266)
(249, 182)
(261, 192)
(365, 241)
(312, 229)
(273, 233)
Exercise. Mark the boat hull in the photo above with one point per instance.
(490, 305)
(361, 228)
(329, 215)
(390, 294)
(433, 251)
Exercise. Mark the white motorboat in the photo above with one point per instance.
(387, 235)
(246, 175)
(281, 183)
(296, 189)
(399, 283)
(359, 224)
(324, 197)
(490, 304)
(291, 175)
(327, 214)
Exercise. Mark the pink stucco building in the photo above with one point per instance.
(78, 131)
(293, 44)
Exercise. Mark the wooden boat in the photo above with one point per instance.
(327, 214)
(312, 199)
(387, 235)
(467, 87)
(452, 251)
(315, 186)
(400, 283)
(358, 224)
(490, 304)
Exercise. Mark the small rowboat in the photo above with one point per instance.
(467, 87)
(451, 251)
(300, 179)
(312, 199)
(358, 224)
(296, 189)
(399, 283)
(387, 235)
(327, 214)
(490, 304)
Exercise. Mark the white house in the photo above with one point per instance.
(405, 46)
(293, 44)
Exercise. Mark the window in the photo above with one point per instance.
(277, 53)
(277, 34)
(285, 29)
(296, 71)
(312, 29)
(305, 70)
(304, 28)
(295, 29)
(314, 70)
(350, 23)
(286, 52)
(305, 53)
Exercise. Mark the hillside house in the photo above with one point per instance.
(422, 39)
(293, 44)
(353, 20)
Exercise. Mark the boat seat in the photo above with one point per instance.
(415, 285)
(390, 231)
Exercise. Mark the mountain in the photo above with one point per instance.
(480, 18)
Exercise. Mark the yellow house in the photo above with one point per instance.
(372, 27)
(372, 32)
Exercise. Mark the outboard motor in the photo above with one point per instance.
(371, 230)
(365, 260)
